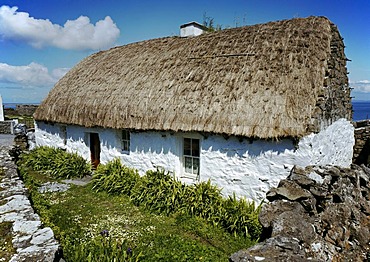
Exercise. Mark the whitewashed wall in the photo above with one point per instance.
(148, 150)
(248, 168)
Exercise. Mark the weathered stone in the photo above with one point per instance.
(31, 241)
(332, 224)
(53, 187)
(274, 249)
(289, 190)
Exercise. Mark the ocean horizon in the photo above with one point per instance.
(361, 110)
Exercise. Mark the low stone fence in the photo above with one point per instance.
(316, 214)
(6, 127)
(32, 241)
(361, 150)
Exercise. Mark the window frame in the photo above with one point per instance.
(63, 134)
(125, 140)
(192, 156)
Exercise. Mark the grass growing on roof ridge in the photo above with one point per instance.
(97, 226)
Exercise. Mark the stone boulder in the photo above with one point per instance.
(316, 214)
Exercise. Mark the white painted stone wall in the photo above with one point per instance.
(248, 168)
(148, 150)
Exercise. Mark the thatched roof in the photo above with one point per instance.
(255, 81)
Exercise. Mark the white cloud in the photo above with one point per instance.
(32, 75)
(362, 86)
(76, 34)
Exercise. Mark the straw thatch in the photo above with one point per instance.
(256, 81)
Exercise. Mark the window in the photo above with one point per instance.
(125, 140)
(191, 156)
(63, 134)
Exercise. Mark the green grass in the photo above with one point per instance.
(6, 247)
(78, 215)
(120, 216)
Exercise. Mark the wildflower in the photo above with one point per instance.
(104, 233)
(129, 252)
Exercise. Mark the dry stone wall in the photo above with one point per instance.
(6, 127)
(31, 239)
(334, 100)
(361, 150)
(316, 214)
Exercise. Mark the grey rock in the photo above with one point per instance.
(289, 190)
(316, 214)
(53, 187)
(31, 241)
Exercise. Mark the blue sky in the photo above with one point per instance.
(40, 40)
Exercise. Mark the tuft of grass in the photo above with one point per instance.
(115, 178)
(6, 248)
(55, 162)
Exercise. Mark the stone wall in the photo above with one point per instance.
(25, 110)
(361, 150)
(316, 214)
(32, 241)
(6, 127)
(334, 99)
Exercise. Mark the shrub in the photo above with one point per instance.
(204, 200)
(159, 192)
(241, 217)
(56, 162)
(114, 178)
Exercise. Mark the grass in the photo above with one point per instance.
(6, 247)
(79, 215)
(155, 237)
(120, 216)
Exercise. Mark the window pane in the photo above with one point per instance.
(195, 166)
(195, 147)
(187, 146)
(126, 145)
(125, 135)
(188, 165)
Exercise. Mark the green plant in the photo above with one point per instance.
(55, 162)
(241, 217)
(6, 247)
(159, 192)
(114, 178)
(204, 200)
(98, 249)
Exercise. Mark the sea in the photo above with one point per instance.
(361, 109)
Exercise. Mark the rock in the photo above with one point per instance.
(316, 214)
(53, 187)
(31, 241)
(289, 190)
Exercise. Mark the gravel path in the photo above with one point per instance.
(6, 140)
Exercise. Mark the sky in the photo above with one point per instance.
(40, 40)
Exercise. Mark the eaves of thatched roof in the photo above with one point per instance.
(256, 81)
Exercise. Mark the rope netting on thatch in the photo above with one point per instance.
(256, 81)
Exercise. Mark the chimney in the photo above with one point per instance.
(192, 29)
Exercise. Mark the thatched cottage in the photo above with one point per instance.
(239, 106)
